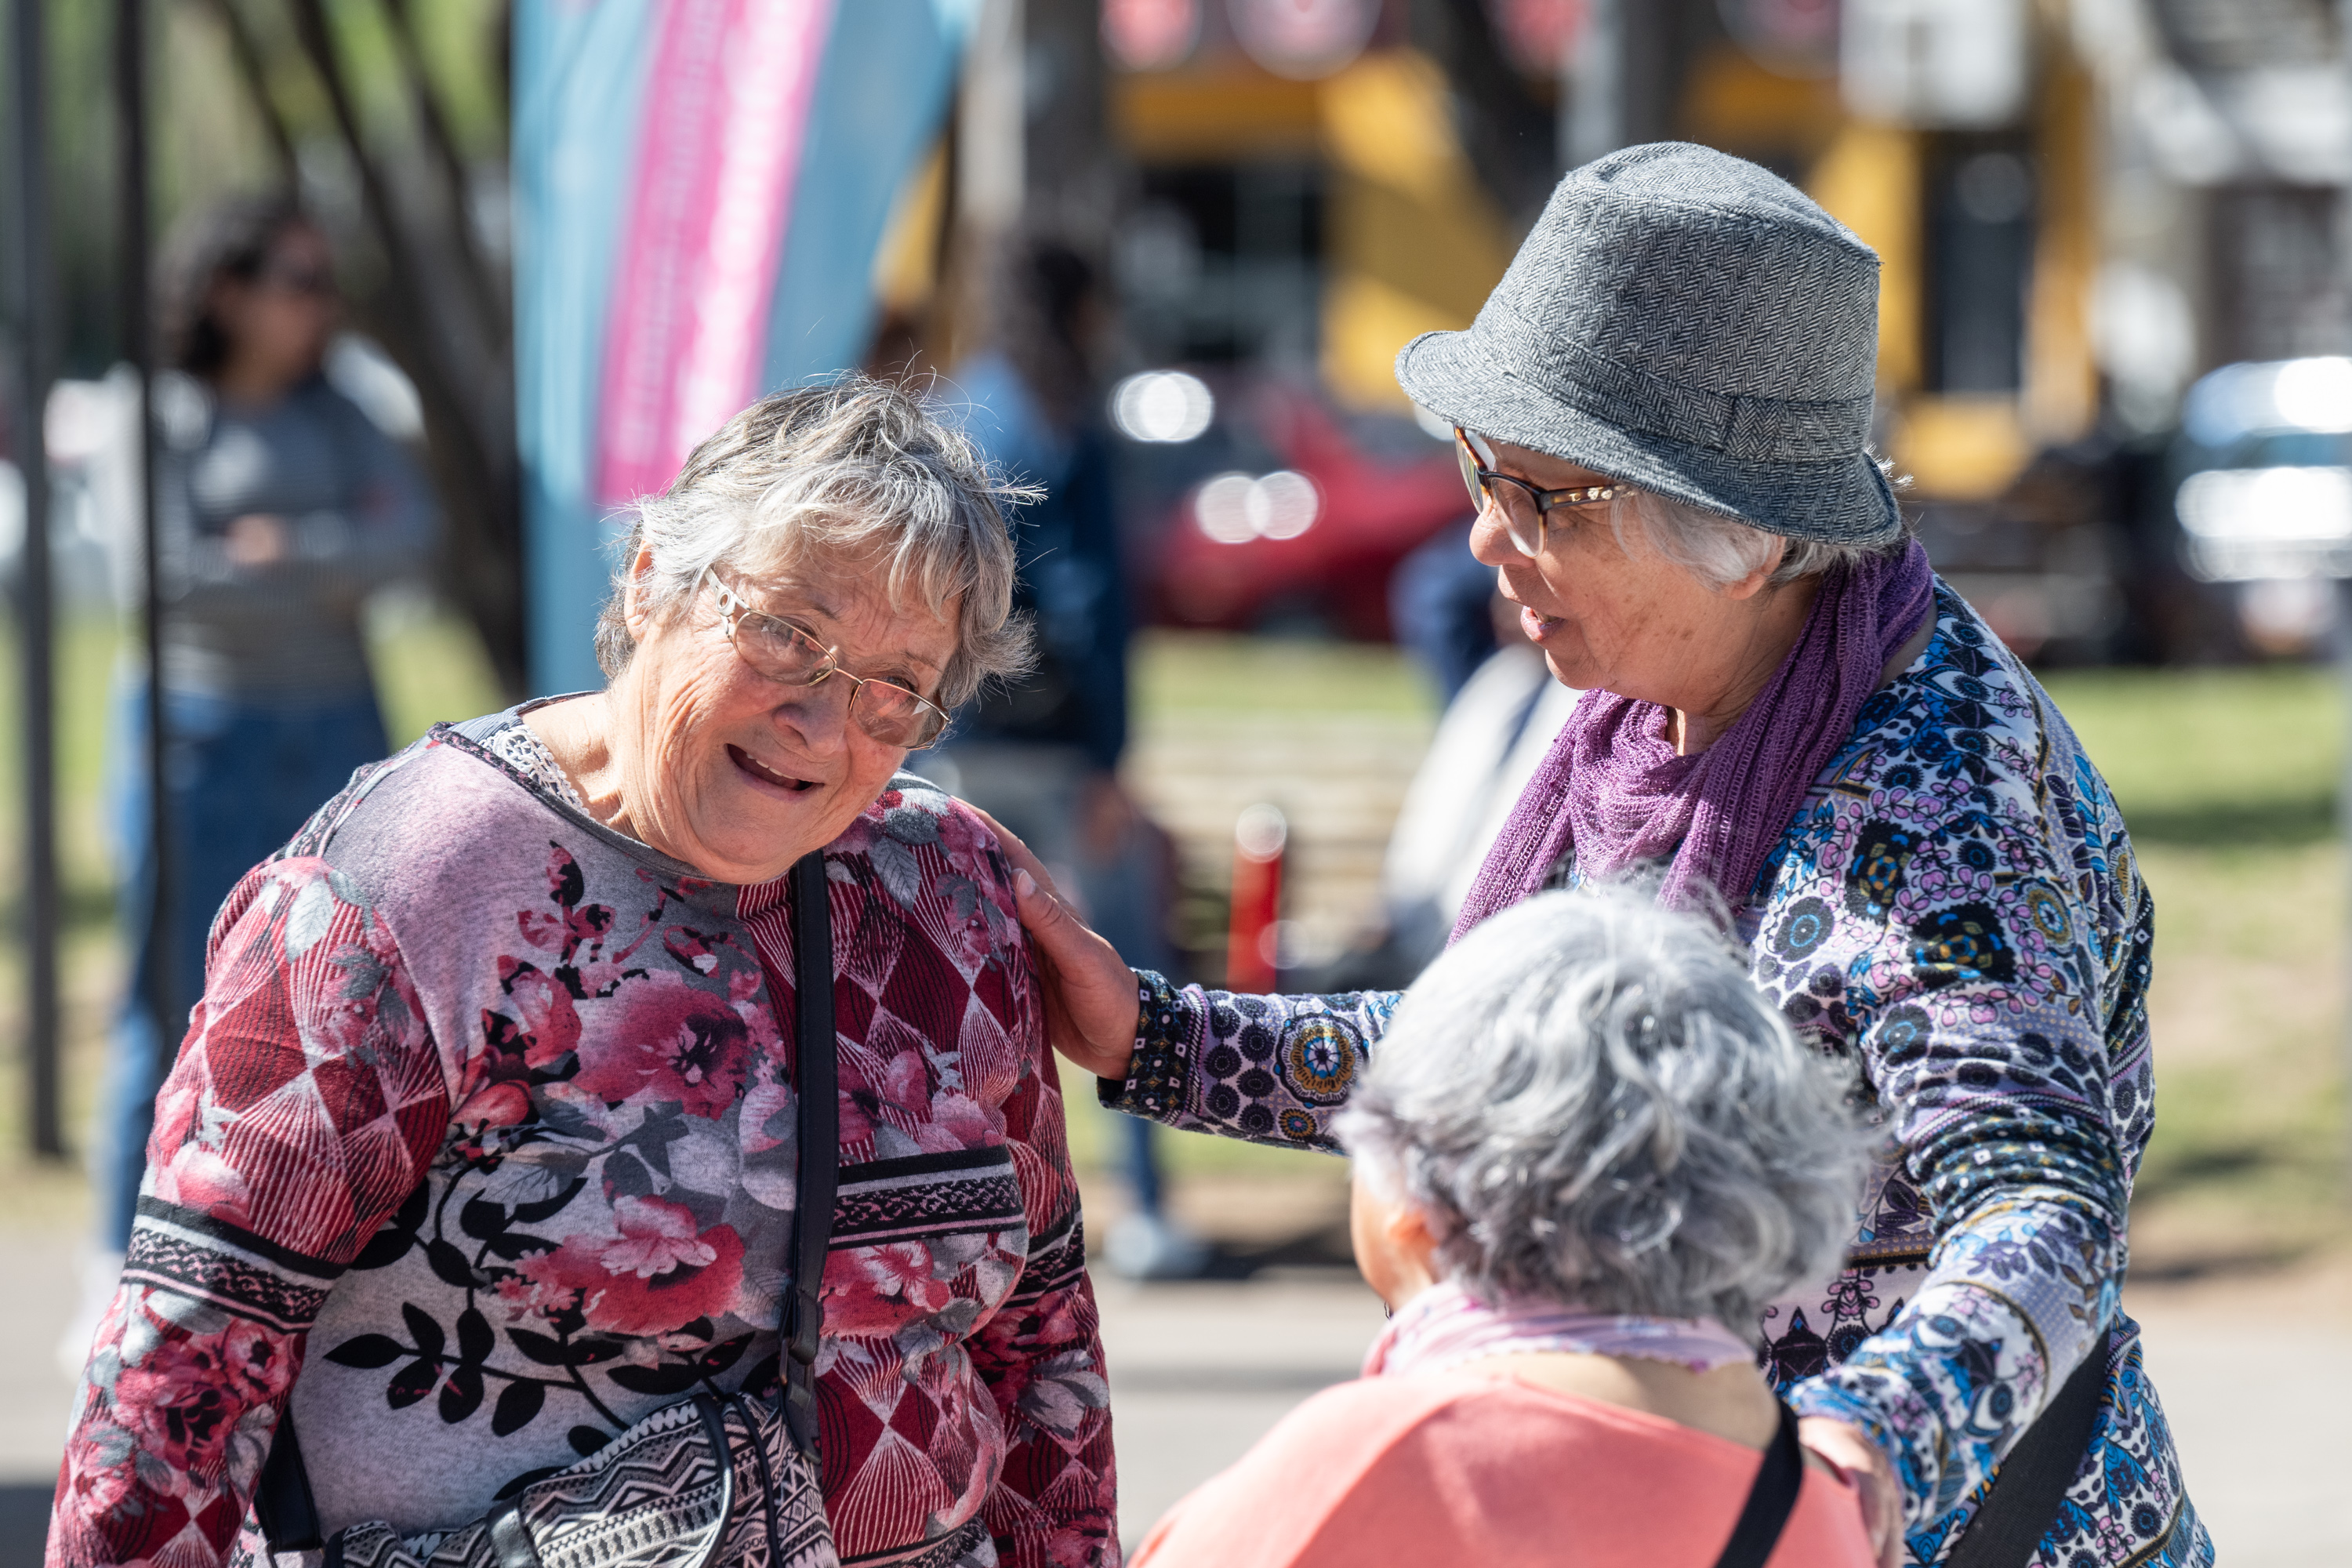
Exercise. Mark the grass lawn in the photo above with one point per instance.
(2229, 779)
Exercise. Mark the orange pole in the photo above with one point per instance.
(1260, 839)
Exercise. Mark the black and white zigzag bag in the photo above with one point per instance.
(714, 1481)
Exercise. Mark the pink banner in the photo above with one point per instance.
(726, 115)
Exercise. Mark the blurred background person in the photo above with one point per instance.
(1497, 728)
(1042, 755)
(279, 507)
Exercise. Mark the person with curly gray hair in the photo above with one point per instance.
(1587, 1157)
(483, 1146)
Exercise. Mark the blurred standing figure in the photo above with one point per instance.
(1498, 728)
(279, 507)
(1042, 756)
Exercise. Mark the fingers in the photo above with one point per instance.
(1090, 1002)
(1865, 1464)
(1015, 851)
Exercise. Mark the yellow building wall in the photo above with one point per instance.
(2061, 381)
(1412, 241)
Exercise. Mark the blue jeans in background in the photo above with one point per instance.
(241, 779)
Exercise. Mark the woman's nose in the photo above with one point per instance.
(820, 712)
(1490, 542)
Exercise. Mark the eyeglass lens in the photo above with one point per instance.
(790, 657)
(1521, 520)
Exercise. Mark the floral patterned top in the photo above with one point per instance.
(481, 1147)
(1956, 910)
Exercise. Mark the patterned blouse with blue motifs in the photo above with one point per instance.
(1956, 910)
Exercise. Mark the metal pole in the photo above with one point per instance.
(1592, 110)
(138, 343)
(29, 195)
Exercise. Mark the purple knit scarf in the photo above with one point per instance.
(1613, 788)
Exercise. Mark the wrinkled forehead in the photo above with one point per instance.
(853, 597)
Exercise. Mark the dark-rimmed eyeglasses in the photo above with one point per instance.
(790, 655)
(1526, 509)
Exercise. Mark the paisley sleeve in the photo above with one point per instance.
(1266, 1069)
(1954, 923)
(305, 1106)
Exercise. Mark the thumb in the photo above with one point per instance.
(1042, 910)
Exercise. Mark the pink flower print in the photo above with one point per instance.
(656, 1237)
(671, 1043)
(177, 1110)
(550, 1024)
(906, 1083)
(692, 948)
(1061, 1390)
(258, 1359)
(965, 1120)
(565, 882)
(99, 1472)
(905, 1271)
(197, 1178)
(544, 931)
(765, 1122)
(504, 1104)
(891, 1288)
(578, 923)
(964, 841)
(651, 1280)
(177, 1401)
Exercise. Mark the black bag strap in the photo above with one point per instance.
(814, 1069)
(2032, 1482)
(283, 1504)
(1771, 1499)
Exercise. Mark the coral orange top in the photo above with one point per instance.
(1443, 1469)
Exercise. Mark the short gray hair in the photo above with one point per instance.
(855, 471)
(1593, 1105)
(1719, 550)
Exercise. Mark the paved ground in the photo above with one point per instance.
(2257, 1374)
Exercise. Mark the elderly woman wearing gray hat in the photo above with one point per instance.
(1790, 722)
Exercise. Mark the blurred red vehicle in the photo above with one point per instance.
(1313, 538)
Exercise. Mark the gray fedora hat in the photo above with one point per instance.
(1687, 322)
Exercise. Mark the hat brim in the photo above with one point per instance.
(1847, 501)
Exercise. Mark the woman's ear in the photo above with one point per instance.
(636, 612)
(1414, 1237)
(1748, 587)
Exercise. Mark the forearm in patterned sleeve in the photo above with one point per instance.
(1266, 1069)
(2029, 1203)
(260, 1190)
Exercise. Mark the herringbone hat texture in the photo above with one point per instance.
(1685, 321)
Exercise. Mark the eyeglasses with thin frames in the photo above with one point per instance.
(1525, 508)
(790, 655)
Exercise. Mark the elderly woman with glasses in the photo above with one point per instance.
(1790, 723)
(482, 1142)
(1586, 1156)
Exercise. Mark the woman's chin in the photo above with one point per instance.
(1566, 667)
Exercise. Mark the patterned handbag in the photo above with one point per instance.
(714, 1481)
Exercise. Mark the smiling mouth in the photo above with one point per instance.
(767, 776)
